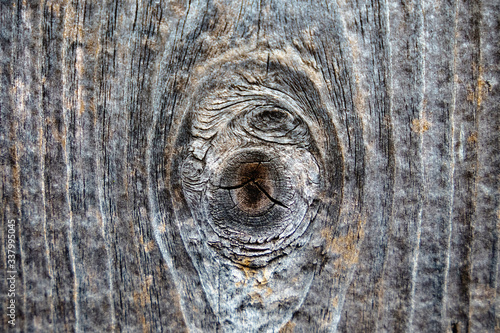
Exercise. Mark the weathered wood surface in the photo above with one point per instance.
(400, 101)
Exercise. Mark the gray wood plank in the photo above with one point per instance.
(107, 108)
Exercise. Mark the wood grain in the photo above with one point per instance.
(400, 99)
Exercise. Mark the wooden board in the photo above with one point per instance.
(373, 129)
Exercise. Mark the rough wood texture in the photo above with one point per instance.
(249, 166)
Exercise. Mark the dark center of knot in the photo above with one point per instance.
(254, 190)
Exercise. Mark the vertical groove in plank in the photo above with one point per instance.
(36, 270)
(43, 149)
(400, 268)
(475, 99)
(459, 276)
(67, 77)
(7, 206)
(92, 282)
(484, 254)
(136, 111)
(150, 29)
(380, 314)
(55, 170)
(102, 216)
(111, 193)
(489, 157)
(419, 129)
(7, 210)
(434, 127)
(19, 100)
(103, 110)
(102, 113)
(451, 175)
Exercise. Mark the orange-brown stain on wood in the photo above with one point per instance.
(420, 125)
(71, 27)
(149, 246)
(480, 90)
(472, 138)
(470, 94)
(149, 281)
(259, 295)
(162, 228)
(256, 298)
(261, 282)
(483, 87)
(346, 246)
(55, 7)
(142, 298)
(17, 177)
(335, 301)
(249, 272)
(288, 328)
